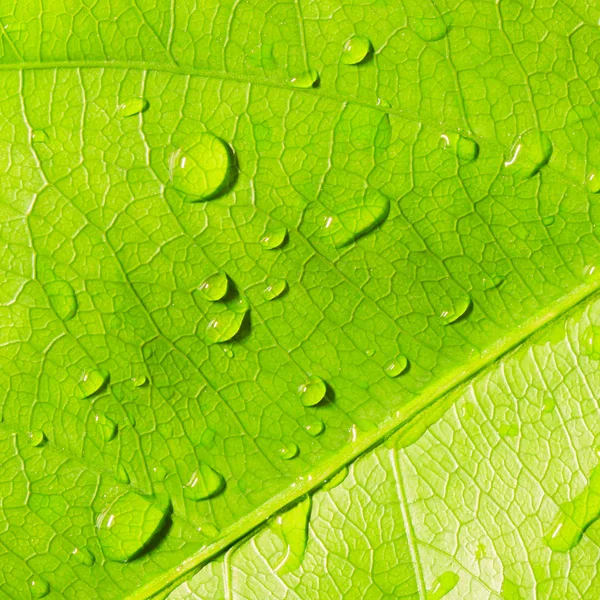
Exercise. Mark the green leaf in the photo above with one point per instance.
(243, 243)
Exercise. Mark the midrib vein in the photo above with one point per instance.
(428, 396)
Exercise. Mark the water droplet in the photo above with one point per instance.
(467, 410)
(92, 382)
(383, 103)
(429, 29)
(312, 391)
(62, 299)
(128, 525)
(458, 310)
(207, 437)
(590, 272)
(335, 480)
(370, 352)
(228, 352)
(593, 183)
(356, 49)
(274, 237)
(203, 167)
(275, 288)
(39, 136)
(397, 366)
(466, 149)
(38, 587)
(122, 475)
(36, 438)
(214, 287)
(549, 220)
(479, 551)
(227, 323)
(314, 427)
(507, 430)
(139, 380)
(204, 483)
(107, 427)
(485, 282)
(548, 404)
(84, 556)
(158, 473)
(292, 528)
(305, 80)
(591, 342)
(132, 106)
(443, 585)
(530, 153)
(289, 451)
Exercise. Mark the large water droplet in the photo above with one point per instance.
(108, 428)
(575, 516)
(204, 483)
(459, 308)
(466, 149)
(62, 299)
(593, 183)
(313, 427)
(275, 288)
(305, 80)
(214, 287)
(84, 556)
(227, 323)
(356, 49)
(132, 106)
(202, 167)
(443, 585)
(92, 382)
(312, 391)
(36, 438)
(397, 366)
(292, 528)
(38, 587)
(289, 450)
(531, 152)
(274, 237)
(128, 525)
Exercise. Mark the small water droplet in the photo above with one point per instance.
(228, 352)
(227, 323)
(506, 430)
(467, 410)
(92, 382)
(530, 153)
(548, 404)
(39, 136)
(289, 451)
(314, 427)
(139, 380)
(593, 183)
(204, 483)
(383, 103)
(128, 525)
(485, 282)
(466, 149)
(38, 587)
(305, 80)
(335, 480)
(132, 106)
(84, 556)
(591, 272)
(479, 551)
(312, 391)
(370, 352)
(356, 49)
(275, 288)
(274, 237)
(207, 437)
(36, 438)
(214, 287)
(575, 516)
(122, 475)
(158, 473)
(108, 428)
(591, 342)
(397, 366)
(429, 29)
(548, 220)
(292, 529)
(202, 168)
(62, 299)
(458, 310)
(443, 585)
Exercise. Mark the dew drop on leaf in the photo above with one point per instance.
(92, 382)
(139, 380)
(336, 479)
(548, 404)
(487, 282)
(507, 430)
(593, 183)
(575, 516)
(305, 80)
(274, 237)
(226, 324)
(132, 106)
(314, 427)
(530, 153)
(466, 149)
(429, 29)
(38, 587)
(549, 220)
(84, 556)
(228, 352)
(122, 475)
(479, 551)
(36, 438)
(128, 525)
(202, 168)
(289, 450)
(443, 585)
(62, 299)
(292, 528)
(39, 136)
(459, 308)
(590, 343)
(356, 49)
(275, 288)
(108, 428)
(312, 391)
(158, 473)
(397, 366)
(214, 287)
(204, 483)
